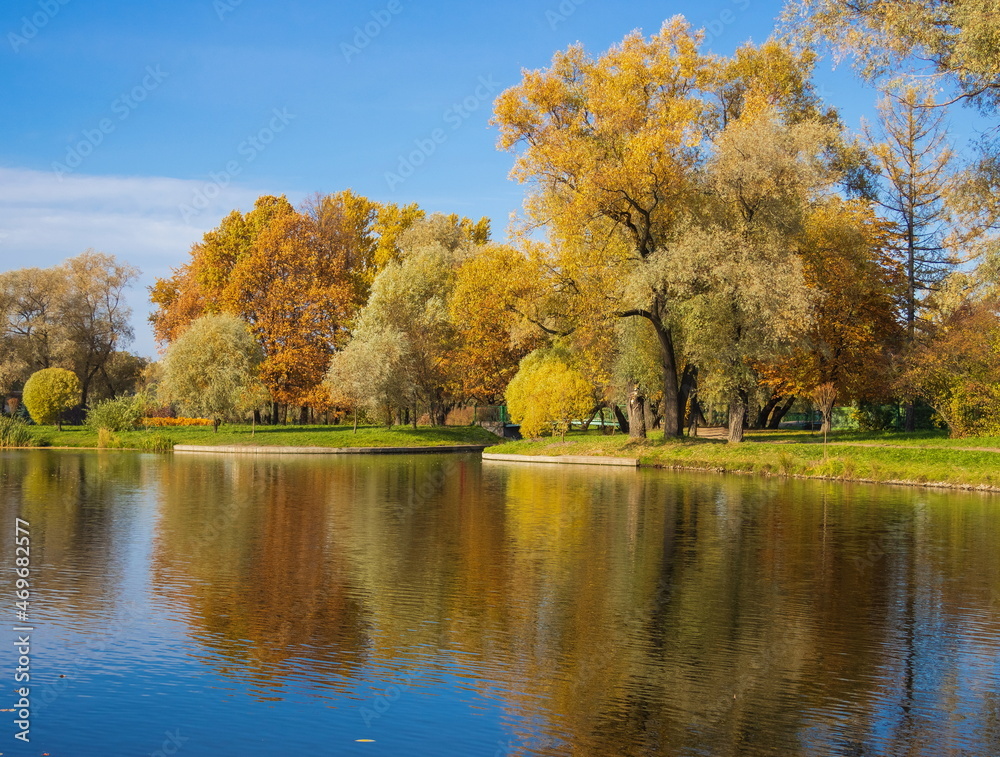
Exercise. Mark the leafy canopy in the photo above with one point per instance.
(50, 392)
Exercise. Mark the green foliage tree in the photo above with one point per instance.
(212, 370)
(409, 306)
(50, 392)
(369, 374)
(548, 394)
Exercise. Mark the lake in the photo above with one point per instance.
(440, 605)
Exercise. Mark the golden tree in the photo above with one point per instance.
(613, 149)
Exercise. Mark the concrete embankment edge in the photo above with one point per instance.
(621, 462)
(236, 449)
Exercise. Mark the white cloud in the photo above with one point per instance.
(45, 219)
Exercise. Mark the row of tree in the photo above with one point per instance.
(392, 304)
(769, 251)
(698, 231)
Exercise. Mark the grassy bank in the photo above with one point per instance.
(926, 458)
(266, 436)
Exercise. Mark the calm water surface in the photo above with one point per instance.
(439, 605)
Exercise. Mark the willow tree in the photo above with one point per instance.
(952, 38)
(409, 308)
(746, 295)
(212, 370)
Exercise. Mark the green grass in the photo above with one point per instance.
(895, 438)
(278, 436)
(915, 458)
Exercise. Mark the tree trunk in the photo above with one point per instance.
(215, 425)
(620, 417)
(688, 386)
(656, 417)
(827, 411)
(910, 419)
(414, 416)
(673, 418)
(355, 419)
(780, 412)
(636, 413)
(737, 416)
(274, 413)
(303, 415)
(765, 412)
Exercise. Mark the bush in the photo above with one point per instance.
(171, 422)
(50, 392)
(156, 443)
(974, 410)
(118, 414)
(14, 433)
(547, 394)
(874, 417)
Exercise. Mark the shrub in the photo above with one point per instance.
(14, 433)
(48, 393)
(118, 414)
(169, 422)
(156, 443)
(547, 394)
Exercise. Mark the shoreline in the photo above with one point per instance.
(236, 449)
(917, 462)
(592, 460)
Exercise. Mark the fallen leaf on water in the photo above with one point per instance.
(366, 741)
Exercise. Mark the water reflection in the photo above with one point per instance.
(600, 611)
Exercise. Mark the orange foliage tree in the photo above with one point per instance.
(957, 369)
(846, 252)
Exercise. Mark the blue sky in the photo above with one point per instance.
(133, 128)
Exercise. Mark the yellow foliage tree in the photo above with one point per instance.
(50, 392)
(613, 148)
(548, 394)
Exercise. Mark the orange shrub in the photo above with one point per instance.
(161, 422)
